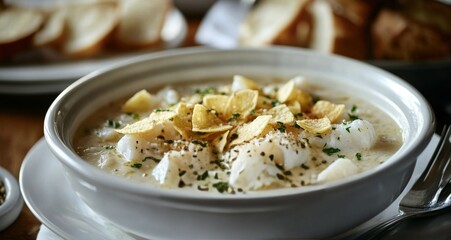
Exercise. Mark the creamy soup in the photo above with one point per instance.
(238, 136)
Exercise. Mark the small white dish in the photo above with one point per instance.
(49, 196)
(11, 207)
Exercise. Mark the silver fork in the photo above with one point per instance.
(431, 193)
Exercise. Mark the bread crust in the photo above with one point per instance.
(397, 36)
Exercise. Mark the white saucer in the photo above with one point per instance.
(48, 195)
(53, 77)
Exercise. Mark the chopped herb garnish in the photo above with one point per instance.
(280, 126)
(204, 91)
(330, 151)
(109, 147)
(347, 129)
(136, 165)
(280, 176)
(135, 116)
(162, 110)
(358, 156)
(151, 158)
(114, 123)
(295, 125)
(219, 164)
(169, 141)
(353, 117)
(221, 186)
(341, 156)
(202, 144)
(299, 114)
(354, 107)
(275, 102)
(203, 176)
(234, 117)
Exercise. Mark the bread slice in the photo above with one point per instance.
(88, 27)
(397, 36)
(333, 33)
(53, 31)
(359, 12)
(141, 22)
(17, 26)
(284, 22)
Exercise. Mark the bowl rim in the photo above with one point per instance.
(75, 163)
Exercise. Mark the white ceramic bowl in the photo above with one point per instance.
(307, 212)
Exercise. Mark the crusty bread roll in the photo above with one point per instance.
(333, 33)
(396, 36)
(141, 22)
(88, 27)
(17, 26)
(284, 22)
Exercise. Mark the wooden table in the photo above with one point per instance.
(21, 125)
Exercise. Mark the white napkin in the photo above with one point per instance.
(220, 26)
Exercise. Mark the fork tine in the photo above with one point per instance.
(445, 194)
(442, 148)
(426, 189)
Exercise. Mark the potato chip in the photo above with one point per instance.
(182, 121)
(240, 83)
(205, 120)
(287, 92)
(265, 102)
(315, 126)
(251, 130)
(146, 125)
(327, 109)
(294, 106)
(139, 102)
(242, 102)
(220, 142)
(304, 99)
(281, 113)
(216, 102)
